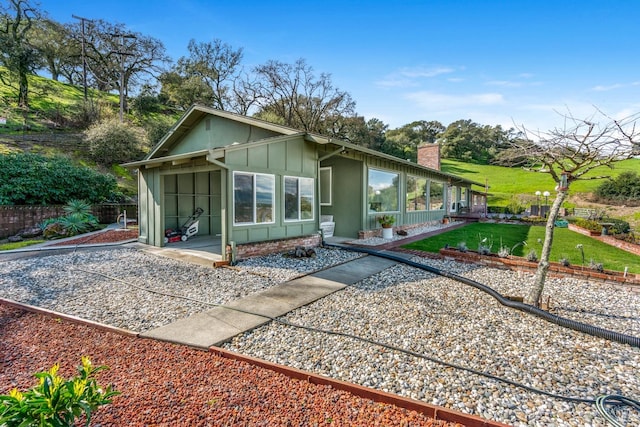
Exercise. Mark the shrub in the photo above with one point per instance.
(113, 142)
(32, 179)
(56, 401)
(589, 224)
(625, 187)
(532, 256)
(619, 226)
(78, 220)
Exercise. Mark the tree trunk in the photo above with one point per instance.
(23, 94)
(535, 292)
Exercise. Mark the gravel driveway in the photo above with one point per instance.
(402, 306)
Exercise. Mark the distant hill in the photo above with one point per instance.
(506, 183)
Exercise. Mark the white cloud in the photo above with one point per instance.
(601, 88)
(419, 72)
(442, 101)
(409, 76)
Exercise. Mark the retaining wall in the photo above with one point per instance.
(16, 218)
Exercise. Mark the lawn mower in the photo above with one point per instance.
(188, 229)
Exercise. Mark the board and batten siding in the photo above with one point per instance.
(291, 157)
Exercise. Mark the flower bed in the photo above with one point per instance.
(518, 263)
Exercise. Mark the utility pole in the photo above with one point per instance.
(122, 54)
(84, 59)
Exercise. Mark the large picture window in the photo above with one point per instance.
(298, 198)
(436, 195)
(253, 197)
(383, 191)
(416, 194)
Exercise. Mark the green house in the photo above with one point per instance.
(266, 187)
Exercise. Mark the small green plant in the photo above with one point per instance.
(76, 206)
(504, 252)
(532, 256)
(580, 247)
(462, 247)
(386, 221)
(597, 266)
(484, 246)
(56, 401)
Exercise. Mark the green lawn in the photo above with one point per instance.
(511, 235)
(507, 182)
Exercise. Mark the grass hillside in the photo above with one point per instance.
(505, 182)
(53, 106)
(508, 183)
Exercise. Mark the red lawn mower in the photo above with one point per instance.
(188, 229)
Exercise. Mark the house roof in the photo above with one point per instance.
(197, 112)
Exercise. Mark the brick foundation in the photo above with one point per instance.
(377, 232)
(249, 250)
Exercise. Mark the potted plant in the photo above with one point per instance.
(386, 221)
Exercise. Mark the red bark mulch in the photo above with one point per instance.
(164, 384)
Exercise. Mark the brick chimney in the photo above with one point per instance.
(429, 156)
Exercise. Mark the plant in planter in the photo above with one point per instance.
(386, 221)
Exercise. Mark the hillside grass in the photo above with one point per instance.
(51, 105)
(504, 183)
(564, 245)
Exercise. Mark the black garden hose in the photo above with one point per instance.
(560, 321)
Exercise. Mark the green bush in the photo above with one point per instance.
(619, 226)
(32, 179)
(79, 220)
(625, 187)
(589, 224)
(56, 401)
(113, 142)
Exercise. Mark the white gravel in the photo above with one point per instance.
(402, 306)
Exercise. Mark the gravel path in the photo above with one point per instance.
(402, 306)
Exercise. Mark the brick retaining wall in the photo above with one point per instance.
(609, 240)
(521, 264)
(16, 218)
(248, 250)
(377, 232)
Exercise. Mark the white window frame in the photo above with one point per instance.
(254, 175)
(426, 195)
(398, 189)
(329, 190)
(313, 198)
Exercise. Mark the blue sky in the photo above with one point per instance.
(513, 63)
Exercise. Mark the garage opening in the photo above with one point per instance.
(186, 192)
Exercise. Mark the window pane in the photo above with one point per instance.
(243, 198)
(435, 196)
(383, 191)
(290, 198)
(306, 198)
(265, 189)
(416, 193)
(325, 186)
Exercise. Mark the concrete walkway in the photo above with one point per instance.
(220, 324)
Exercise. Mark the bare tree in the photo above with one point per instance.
(292, 93)
(568, 154)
